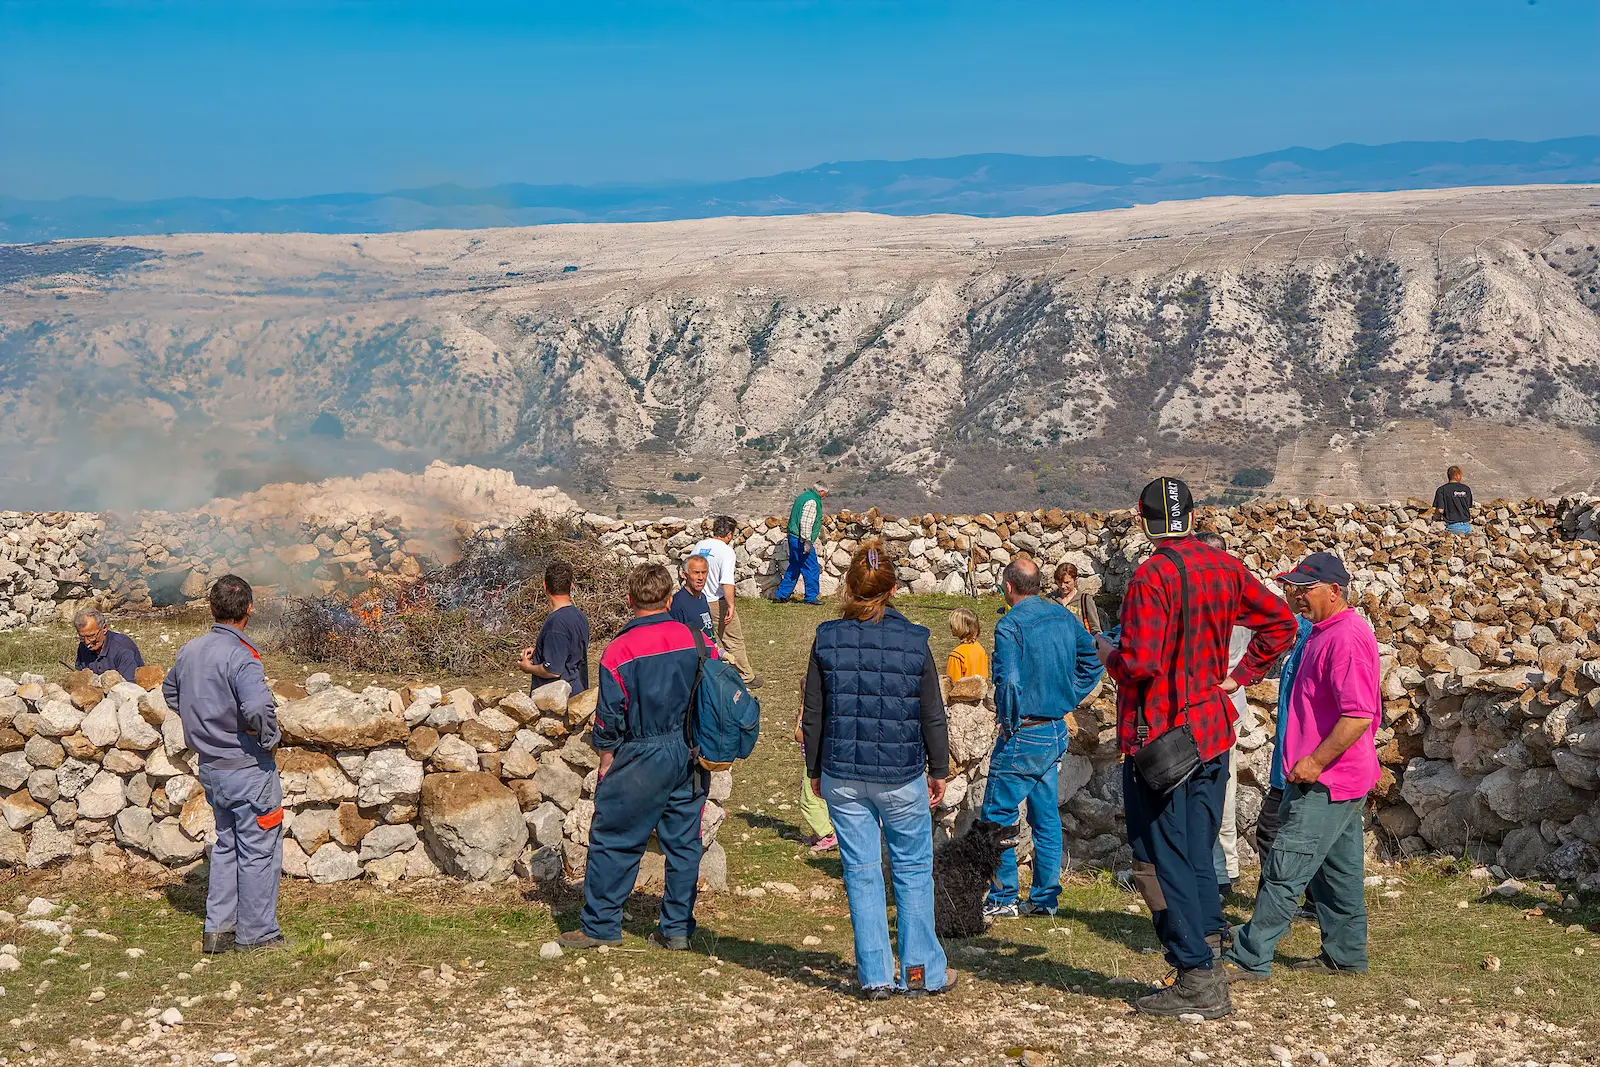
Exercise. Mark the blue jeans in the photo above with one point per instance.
(802, 564)
(1458, 527)
(859, 810)
(1027, 767)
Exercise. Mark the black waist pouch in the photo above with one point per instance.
(1167, 762)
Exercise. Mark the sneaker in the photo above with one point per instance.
(275, 941)
(1231, 972)
(950, 980)
(1323, 965)
(577, 939)
(215, 941)
(1200, 993)
(1030, 908)
(755, 683)
(824, 844)
(877, 992)
(1000, 911)
(677, 943)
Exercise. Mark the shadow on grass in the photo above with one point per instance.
(188, 896)
(785, 830)
(987, 959)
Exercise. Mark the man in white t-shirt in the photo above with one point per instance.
(718, 551)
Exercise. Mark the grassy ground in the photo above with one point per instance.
(449, 973)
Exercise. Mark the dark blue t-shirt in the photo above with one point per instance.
(694, 612)
(563, 646)
(119, 654)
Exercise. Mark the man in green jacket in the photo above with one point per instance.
(805, 528)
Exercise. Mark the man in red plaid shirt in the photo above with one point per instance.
(1173, 834)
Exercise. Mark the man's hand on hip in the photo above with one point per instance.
(1306, 770)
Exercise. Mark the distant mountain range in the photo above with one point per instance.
(982, 185)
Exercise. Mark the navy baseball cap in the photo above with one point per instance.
(1166, 507)
(1317, 567)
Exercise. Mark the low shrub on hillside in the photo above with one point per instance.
(474, 615)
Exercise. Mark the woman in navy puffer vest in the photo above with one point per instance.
(878, 751)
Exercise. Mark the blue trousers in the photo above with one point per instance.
(860, 810)
(1026, 768)
(1172, 837)
(651, 787)
(247, 858)
(1458, 527)
(802, 564)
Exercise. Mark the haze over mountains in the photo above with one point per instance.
(1348, 345)
(989, 185)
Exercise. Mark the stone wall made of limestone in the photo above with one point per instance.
(381, 784)
(1491, 738)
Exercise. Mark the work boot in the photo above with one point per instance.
(215, 941)
(1321, 964)
(1231, 972)
(275, 941)
(1195, 992)
(577, 939)
(676, 943)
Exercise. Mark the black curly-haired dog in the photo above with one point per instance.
(962, 871)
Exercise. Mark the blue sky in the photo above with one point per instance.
(230, 98)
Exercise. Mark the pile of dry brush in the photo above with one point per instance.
(469, 617)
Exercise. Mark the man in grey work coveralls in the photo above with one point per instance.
(231, 721)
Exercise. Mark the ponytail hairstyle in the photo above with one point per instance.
(868, 584)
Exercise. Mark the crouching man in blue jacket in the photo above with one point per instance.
(648, 781)
(229, 718)
(1044, 665)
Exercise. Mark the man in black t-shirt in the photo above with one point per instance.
(689, 604)
(1453, 502)
(562, 647)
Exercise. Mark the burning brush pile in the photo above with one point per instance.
(472, 616)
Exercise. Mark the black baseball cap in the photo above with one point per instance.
(1317, 567)
(1166, 507)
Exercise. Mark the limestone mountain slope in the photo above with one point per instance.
(887, 348)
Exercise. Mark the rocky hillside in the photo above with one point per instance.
(967, 358)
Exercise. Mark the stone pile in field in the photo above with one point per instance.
(380, 784)
(40, 563)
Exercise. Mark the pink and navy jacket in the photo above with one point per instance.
(646, 676)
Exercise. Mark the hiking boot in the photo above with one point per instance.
(877, 992)
(755, 683)
(215, 941)
(1231, 972)
(275, 941)
(992, 910)
(1321, 964)
(577, 939)
(1194, 993)
(676, 943)
(1031, 908)
(950, 980)
(1306, 913)
(812, 603)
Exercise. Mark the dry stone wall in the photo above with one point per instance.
(1491, 662)
(381, 784)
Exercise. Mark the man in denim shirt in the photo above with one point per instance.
(1044, 665)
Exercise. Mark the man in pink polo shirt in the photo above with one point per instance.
(1330, 763)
